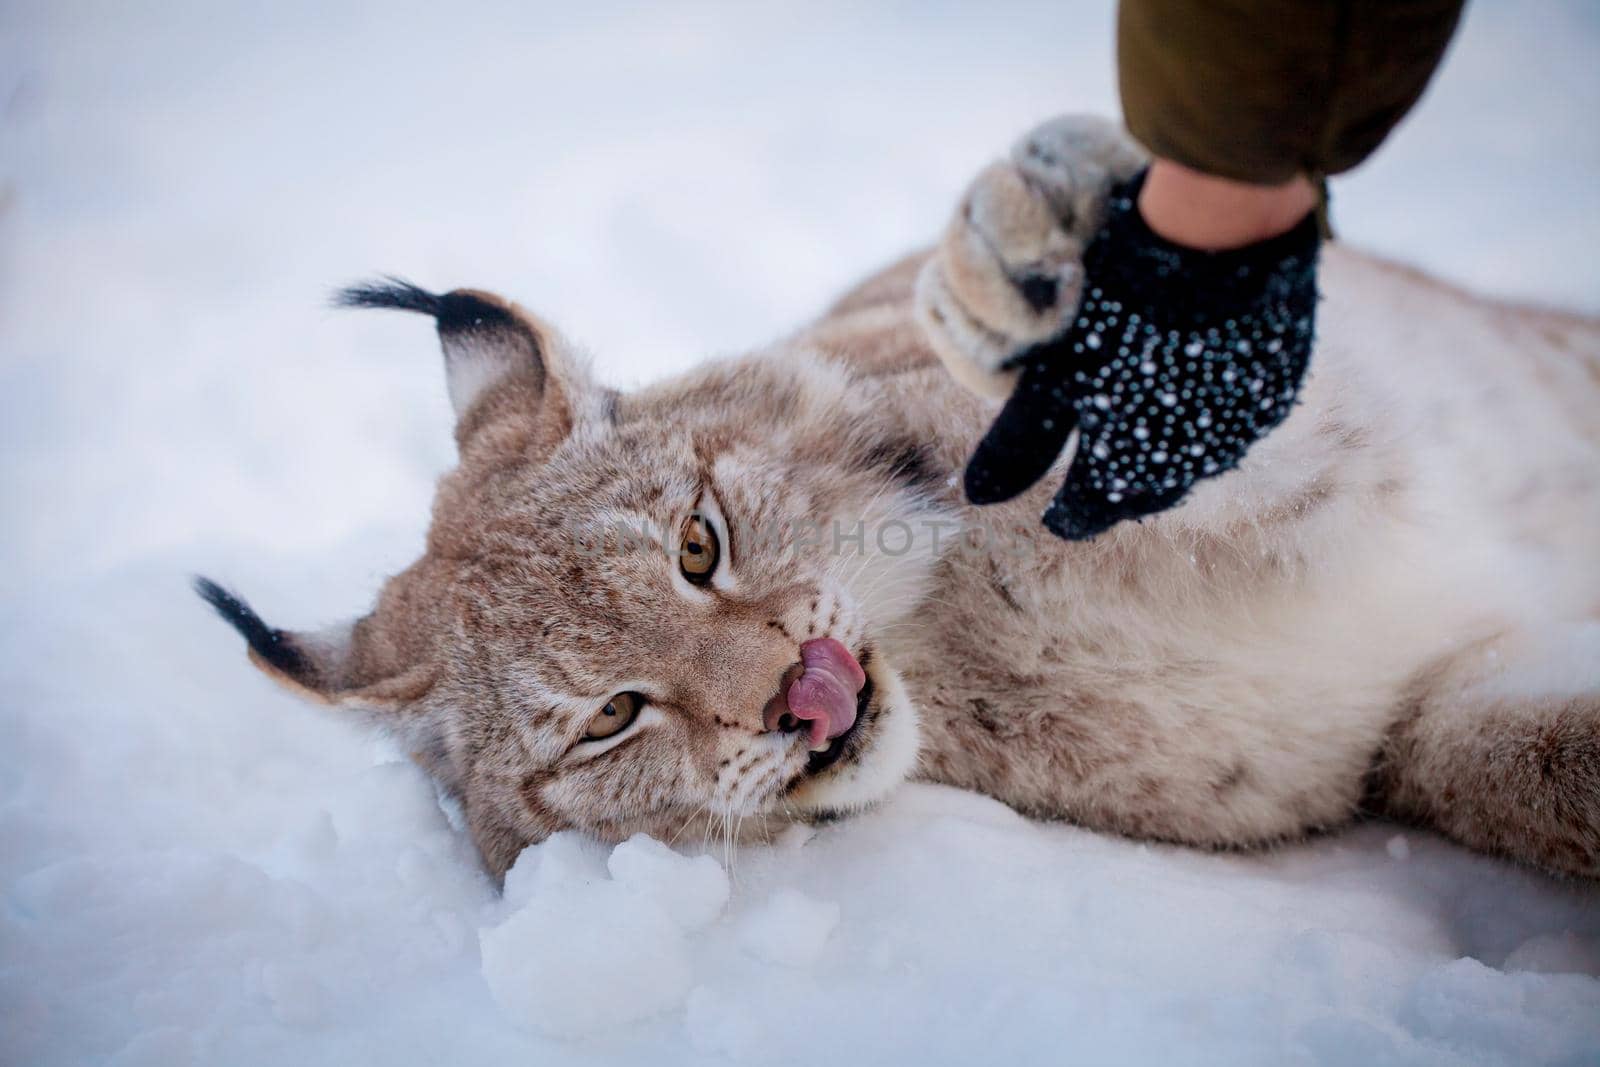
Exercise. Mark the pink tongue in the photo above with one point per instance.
(825, 692)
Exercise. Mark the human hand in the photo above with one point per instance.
(1170, 366)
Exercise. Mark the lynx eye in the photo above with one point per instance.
(615, 717)
(699, 553)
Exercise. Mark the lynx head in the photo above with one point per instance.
(638, 611)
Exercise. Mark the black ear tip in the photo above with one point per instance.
(274, 646)
(225, 603)
(234, 611)
(389, 292)
(459, 310)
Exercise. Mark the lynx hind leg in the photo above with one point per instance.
(1499, 748)
(1008, 271)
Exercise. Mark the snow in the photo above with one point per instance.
(196, 868)
(693, 890)
(583, 958)
(790, 929)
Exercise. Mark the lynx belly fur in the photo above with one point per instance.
(753, 594)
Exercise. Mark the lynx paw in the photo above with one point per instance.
(1008, 272)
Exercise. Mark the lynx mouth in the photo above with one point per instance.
(864, 764)
(836, 750)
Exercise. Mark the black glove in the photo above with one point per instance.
(1177, 362)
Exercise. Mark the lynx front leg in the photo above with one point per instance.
(1008, 271)
(1500, 749)
(1119, 357)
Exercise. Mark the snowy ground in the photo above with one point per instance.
(196, 869)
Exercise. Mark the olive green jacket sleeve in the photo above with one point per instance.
(1263, 90)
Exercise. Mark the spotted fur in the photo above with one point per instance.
(1307, 638)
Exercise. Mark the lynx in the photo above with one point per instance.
(754, 594)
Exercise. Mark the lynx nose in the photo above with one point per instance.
(819, 698)
(776, 715)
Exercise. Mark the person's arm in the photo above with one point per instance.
(1198, 292)
(1212, 214)
(1265, 91)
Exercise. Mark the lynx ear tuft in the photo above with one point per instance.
(353, 665)
(274, 648)
(395, 294)
(486, 340)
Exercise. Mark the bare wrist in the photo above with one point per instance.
(1213, 214)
